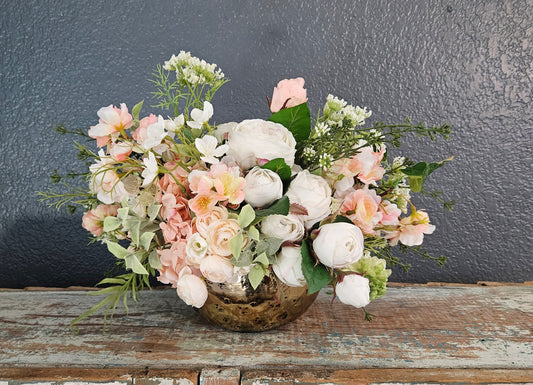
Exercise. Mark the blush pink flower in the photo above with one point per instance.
(172, 261)
(228, 183)
(141, 132)
(93, 220)
(361, 206)
(202, 204)
(411, 230)
(391, 213)
(367, 165)
(112, 121)
(288, 93)
(120, 150)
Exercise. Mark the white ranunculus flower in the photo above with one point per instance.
(257, 139)
(192, 290)
(353, 290)
(263, 187)
(288, 266)
(216, 268)
(338, 245)
(313, 193)
(196, 249)
(287, 227)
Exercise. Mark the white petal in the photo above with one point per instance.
(221, 150)
(208, 110)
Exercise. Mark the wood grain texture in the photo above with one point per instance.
(440, 327)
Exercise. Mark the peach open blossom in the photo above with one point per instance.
(93, 220)
(140, 133)
(228, 183)
(391, 213)
(361, 206)
(411, 229)
(202, 204)
(288, 93)
(112, 121)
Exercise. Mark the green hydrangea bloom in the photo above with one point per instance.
(375, 269)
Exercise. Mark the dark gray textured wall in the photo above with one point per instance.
(468, 63)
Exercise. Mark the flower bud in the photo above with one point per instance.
(216, 269)
(288, 266)
(192, 290)
(339, 244)
(353, 290)
(262, 187)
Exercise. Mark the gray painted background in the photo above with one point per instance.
(467, 63)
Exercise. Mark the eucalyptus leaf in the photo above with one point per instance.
(117, 250)
(246, 216)
(123, 212)
(253, 233)
(136, 110)
(111, 223)
(270, 246)
(235, 245)
(133, 225)
(152, 211)
(316, 276)
(146, 240)
(256, 274)
(153, 260)
(262, 259)
(133, 263)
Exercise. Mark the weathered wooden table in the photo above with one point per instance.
(423, 333)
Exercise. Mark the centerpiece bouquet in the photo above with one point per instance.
(299, 202)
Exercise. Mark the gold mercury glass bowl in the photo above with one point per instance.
(238, 307)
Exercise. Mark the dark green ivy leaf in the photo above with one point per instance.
(296, 119)
(316, 276)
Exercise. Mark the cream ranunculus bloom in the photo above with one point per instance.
(313, 193)
(192, 290)
(339, 244)
(288, 266)
(196, 249)
(219, 233)
(286, 227)
(353, 290)
(216, 268)
(263, 187)
(256, 139)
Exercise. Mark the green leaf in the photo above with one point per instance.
(135, 111)
(418, 173)
(281, 168)
(153, 260)
(253, 233)
(316, 276)
(117, 250)
(342, 218)
(235, 245)
(256, 274)
(146, 240)
(133, 225)
(133, 263)
(111, 223)
(281, 207)
(152, 211)
(296, 119)
(246, 216)
(119, 281)
(270, 246)
(262, 259)
(123, 212)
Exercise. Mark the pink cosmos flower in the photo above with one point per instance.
(411, 230)
(391, 213)
(288, 93)
(140, 133)
(367, 165)
(112, 121)
(228, 183)
(93, 220)
(201, 204)
(361, 206)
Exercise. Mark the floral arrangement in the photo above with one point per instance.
(187, 200)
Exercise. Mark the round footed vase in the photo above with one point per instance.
(238, 307)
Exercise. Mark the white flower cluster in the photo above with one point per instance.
(321, 129)
(193, 71)
(336, 110)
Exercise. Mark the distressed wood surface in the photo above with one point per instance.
(418, 327)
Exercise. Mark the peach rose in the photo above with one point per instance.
(288, 93)
(219, 233)
(202, 222)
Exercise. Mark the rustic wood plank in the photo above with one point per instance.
(467, 327)
(388, 376)
(220, 377)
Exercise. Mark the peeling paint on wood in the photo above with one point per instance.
(417, 327)
(220, 377)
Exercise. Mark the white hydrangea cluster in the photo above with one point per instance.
(190, 70)
(336, 110)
